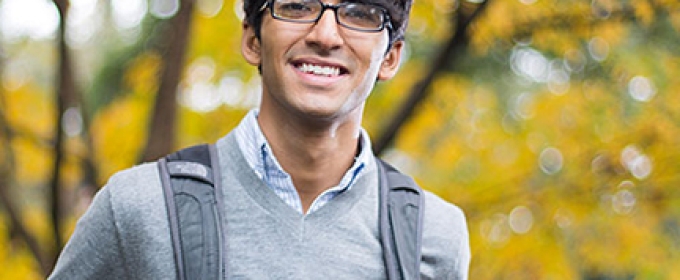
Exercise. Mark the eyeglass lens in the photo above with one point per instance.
(359, 16)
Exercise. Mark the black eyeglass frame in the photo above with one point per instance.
(386, 23)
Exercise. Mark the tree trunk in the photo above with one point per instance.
(65, 98)
(452, 51)
(161, 137)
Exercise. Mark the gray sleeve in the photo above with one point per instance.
(93, 251)
(462, 253)
(446, 245)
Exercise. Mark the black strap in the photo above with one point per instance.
(197, 234)
(401, 223)
(168, 194)
(217, 185)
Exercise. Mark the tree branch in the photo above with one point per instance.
(65, 98)
(6, 179)
(15, 221)
(90, 173)
(452, 51)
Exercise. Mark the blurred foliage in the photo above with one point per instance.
(556, 132)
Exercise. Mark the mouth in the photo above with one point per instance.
(320, 69)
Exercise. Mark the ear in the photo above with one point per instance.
(390, 64)
(250, 45)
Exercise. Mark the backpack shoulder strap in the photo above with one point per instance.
(401, 222)
(189, 188)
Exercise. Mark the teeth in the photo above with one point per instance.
(319, 70)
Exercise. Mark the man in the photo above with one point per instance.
(300, 179)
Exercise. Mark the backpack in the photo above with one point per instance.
(190, 177)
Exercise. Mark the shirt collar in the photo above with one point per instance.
(257, 153)
(251, 140)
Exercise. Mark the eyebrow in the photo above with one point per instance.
(378, 3)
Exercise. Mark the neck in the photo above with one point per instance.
(315, 154)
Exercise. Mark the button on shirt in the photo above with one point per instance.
(259, 156)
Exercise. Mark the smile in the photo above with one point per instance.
(319, 69)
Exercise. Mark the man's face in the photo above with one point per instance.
(320, 70)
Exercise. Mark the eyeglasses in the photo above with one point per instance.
(356, 16)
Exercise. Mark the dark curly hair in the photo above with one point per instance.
(398, 11)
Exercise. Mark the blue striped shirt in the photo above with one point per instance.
(259, 156)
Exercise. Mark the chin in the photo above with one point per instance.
(321, 113)
(335, 114)
(320, 108)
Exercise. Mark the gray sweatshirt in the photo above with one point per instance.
(125, 234)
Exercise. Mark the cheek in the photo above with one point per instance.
(380, 47)
(272, 55)
(373, 63)
(372, 53)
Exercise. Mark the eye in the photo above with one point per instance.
(296, 9)
(360, 15)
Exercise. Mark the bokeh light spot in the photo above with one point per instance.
(563, 218)
(521, 219)
(529, 63)
(638, 164)
(495, 230)
(72, 122)
(238, 10)
(598, 48)
(209, 8)
(524, 106)
(163, 8)
(641, 89)
(128, 13)
(623, 202)
(36, 19)
(551, 160)
(558, 81)
(574, 61)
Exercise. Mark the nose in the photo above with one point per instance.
(324, 34)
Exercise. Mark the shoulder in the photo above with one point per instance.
(124, 232)
(137, 183)
(107, 237)
(135, 177)
(446, 246)
(135, 194)
(443, 214)
(138, 208)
